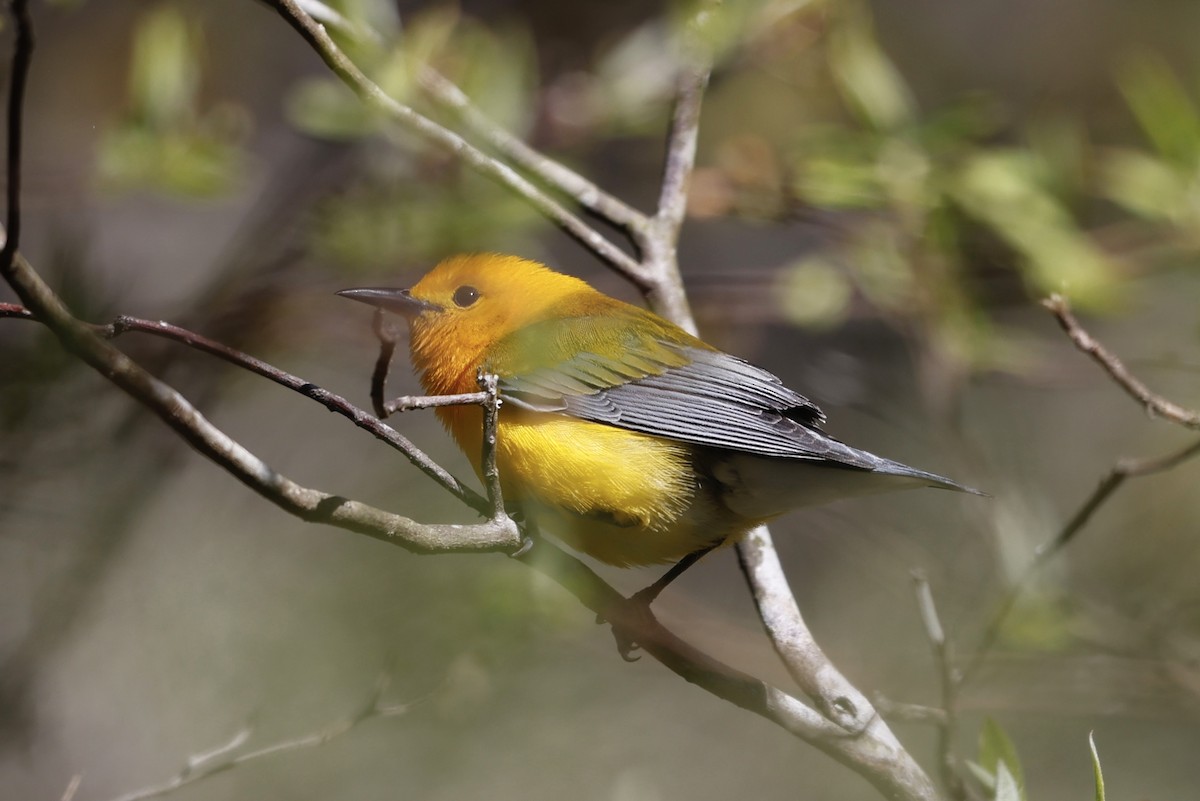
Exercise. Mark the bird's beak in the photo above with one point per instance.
(399, 301)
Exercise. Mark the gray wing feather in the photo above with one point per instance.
(715, 400)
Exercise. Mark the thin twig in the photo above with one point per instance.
(1116, 477)
(1124, 469)
(21, 62)
(204, 765)
(335, 403)
(15, 311)
(315, 34)
(1155, 404)
(659, 241)
(384, 332)
(949, 679)
(180, 415)
(491, 433)
(409, 403)
(873, 754)
(72, 787)
(554, 173)
(441, 90)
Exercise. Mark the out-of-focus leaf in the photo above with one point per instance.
(397, 220)
(328, 110)
(1096, 771)
(1007, 788)
(986, 780)
(905, 170)
(636, 77)
(1147, 186)
(837, 169)
(883, 272)
(1060, 146)
(998, 756)
(500, 74)
(1039, 622)
(164, 73)
(813, 293)
(167, 142)
(1162, 107)
(865, 75)
(1002, 190)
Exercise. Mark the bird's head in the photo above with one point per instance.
(465, 304)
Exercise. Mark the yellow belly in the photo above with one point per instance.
(622, 497)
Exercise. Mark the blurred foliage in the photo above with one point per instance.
(927, 208)
(998, 768)
(1096, 771)
(495, 66)
(1162, 185)
(165, 141)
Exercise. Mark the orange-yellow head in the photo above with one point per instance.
(462, 307)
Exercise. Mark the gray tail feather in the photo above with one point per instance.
(888, 467)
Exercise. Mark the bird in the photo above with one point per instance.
(627, 437)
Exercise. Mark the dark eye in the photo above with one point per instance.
(464, 296)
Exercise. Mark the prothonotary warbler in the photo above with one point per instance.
(621, 433)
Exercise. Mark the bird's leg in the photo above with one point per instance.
(529, 533)
(647, 596)
(639, 602)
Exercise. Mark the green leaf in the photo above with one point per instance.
(1162, 107)
(998, 756)
(814, 293)
(1004, 190)
(164, 74)
(865, 76)
(1096, 767)
(986, 779)
(1145, 185)
(1007, 788)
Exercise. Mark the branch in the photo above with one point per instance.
(1156, 405)
(554, 173)
(175, 410)
(1121, 471)
(950, 681)
(206, 764)
(21, 61)
(332, 402)
(873, 753)
(450, 97)
(315, 34)
(1124, 469)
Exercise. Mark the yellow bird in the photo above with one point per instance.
(621, 433)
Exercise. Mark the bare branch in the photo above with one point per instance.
(175, 410)
(491, 431)
(335, 403)
(872, 753)
(450, 97)
(1124, 469)
(72, 787)
(1117, 475)
(950, 680)
(659, 241)
(206, 764)
(21, 61)
(315, 34)
(555, 174)
(1155, 404)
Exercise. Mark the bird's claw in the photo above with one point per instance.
(525, 547)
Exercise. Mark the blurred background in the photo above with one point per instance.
(884, 193)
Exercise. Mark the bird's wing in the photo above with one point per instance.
(607, 371)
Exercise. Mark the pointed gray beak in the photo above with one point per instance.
(399, 301)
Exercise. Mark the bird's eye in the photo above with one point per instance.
(464, 296)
